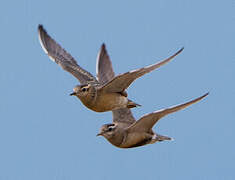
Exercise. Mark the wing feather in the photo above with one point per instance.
(105, 73)
(145, 123)
(62, 58)
(104, 69)
(123, 81)
(123, 115)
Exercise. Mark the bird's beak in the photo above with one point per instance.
(73, 94)
(99, 134)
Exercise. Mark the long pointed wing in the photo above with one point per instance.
(147, 121)
(57, 54)
(123, 81)
(105, 73)
(104, 69)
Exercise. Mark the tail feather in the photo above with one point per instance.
(132, 104)
(163, 138)
(159, 138)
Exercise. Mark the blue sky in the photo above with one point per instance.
(46, 134)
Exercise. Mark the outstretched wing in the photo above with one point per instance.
(104, 69)
(147, 121)
(105, 73)
(123, 81)
(57, 54)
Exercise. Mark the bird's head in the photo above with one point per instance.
(82, 90)
(107, 130)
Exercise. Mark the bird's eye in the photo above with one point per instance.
(84, 89)
(110, 129)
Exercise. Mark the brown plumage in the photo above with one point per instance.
(125, 131)
(101, 94)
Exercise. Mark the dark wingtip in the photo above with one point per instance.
(40, 27)
(198, 99)
(206, 94)
(180, 50)
(103, 49)
(103, 46)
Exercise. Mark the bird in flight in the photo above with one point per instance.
(98, 94)
(125, 131)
